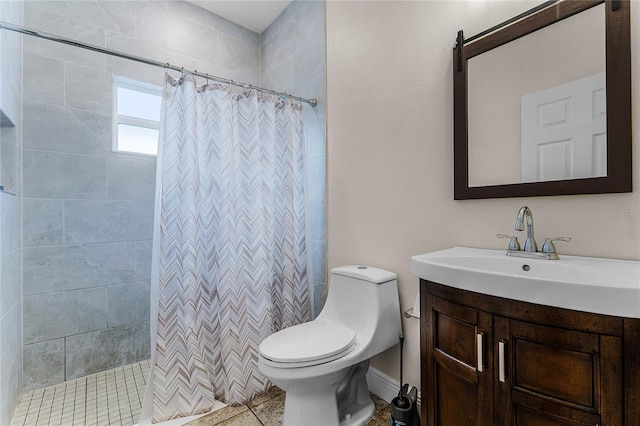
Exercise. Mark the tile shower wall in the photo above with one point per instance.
(88, 211)
(293, 61)
(10, 220)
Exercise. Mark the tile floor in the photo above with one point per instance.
(109, 398)
(267, 410)
(114, 398)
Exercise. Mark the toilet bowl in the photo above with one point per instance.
(322, 364)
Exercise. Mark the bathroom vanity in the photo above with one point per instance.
(492, 360)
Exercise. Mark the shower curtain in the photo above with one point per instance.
(230, 263)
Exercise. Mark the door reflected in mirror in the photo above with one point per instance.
(537, 105)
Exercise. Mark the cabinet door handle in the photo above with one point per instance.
(501, 373)
(480, 347)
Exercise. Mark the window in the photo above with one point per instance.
(136, 116)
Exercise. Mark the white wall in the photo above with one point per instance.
(390, 151)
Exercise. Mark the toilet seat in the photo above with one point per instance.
(307, 344)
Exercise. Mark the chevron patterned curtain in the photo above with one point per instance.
(232, 254)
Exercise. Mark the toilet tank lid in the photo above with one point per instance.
(366, 273)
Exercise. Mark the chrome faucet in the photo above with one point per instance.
(530, 249)
(525, 215)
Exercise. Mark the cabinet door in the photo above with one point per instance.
(459, 375)
(553, 376)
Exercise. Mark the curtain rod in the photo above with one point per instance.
(166, 65)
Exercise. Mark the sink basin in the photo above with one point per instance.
(602, 286)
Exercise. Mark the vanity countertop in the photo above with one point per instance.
(597, 285)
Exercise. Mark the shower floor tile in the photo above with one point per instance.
(109, 398)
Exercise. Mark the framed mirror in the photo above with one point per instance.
(542, 103)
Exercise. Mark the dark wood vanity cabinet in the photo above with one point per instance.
(493, 361)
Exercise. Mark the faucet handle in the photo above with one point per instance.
(549, 247)
(513, 243)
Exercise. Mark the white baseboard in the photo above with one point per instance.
(386, 387)
(382, 385)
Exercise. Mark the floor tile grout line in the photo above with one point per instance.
(255, 414)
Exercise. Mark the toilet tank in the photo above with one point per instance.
(365, 299)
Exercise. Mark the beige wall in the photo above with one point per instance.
(390, 151)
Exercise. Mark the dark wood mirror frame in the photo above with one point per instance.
(618, 101)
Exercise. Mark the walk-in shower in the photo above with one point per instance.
(84, 245)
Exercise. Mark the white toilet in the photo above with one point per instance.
(322, 364)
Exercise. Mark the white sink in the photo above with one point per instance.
(603, 286)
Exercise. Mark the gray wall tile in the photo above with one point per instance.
(131, 179)
(196, 14)
(194, 40)
(88, 89)
(143, 260)
(10, 360)
(319, 296)
(316, 177)
(280, 77)
(54, 175)
(317, 216)
(50, 49)
(135, 70)
(9, 152)
(45, 79)
(10, 280)
(47, 21)
(319, 258)
(65, 130)
(18, 162)
(11, 219)
(128, 303)
(11, 75)
(107, 221)
(286, 41)
(306, 64)
(151, 18)
(54, 20)
(111, 15)
(101, 350)
(43, 364)
(238, 54)
(11, 11)
(294, 60)
(53, 315)
(283, 19)
(53, 269)
(315, 131)
(42, 222)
